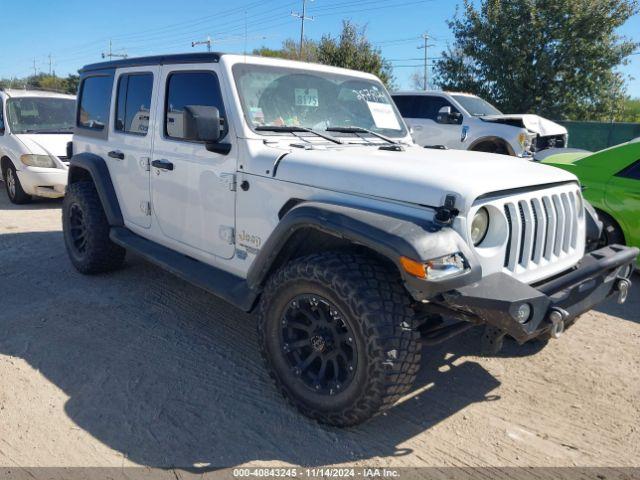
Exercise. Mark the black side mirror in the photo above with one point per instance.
(455, 118)
(202, 123)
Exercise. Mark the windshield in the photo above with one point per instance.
(476, 106)
(287, 97)
(41, 114)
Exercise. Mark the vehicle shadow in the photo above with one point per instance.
(630, 310)
(37, 203)
(170, 376)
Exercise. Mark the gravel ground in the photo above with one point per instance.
(140, 368)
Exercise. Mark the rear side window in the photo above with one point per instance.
(133, 104)
(190, 89)
(406, 105)
(2, 127)
(95, 100)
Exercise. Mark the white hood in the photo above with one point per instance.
(533, 123)
(416, 175)
(46, 143)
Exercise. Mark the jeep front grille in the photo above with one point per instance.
(542, 229)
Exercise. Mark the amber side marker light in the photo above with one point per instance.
(417, 269)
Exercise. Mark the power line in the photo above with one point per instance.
(110, 55)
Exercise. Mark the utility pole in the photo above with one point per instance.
(35, 69)
(425, 46)
(50, 64)
(208, 42)
(302, 16)
(112, 55)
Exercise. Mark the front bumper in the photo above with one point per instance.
(43, 182)
(555, 303)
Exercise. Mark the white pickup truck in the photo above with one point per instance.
(466, 122)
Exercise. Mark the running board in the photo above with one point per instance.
(223, 284)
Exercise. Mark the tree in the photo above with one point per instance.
(557, 58)
(351, 49)
(46, 82)
(290, 50)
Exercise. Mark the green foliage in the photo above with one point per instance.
(351, 49)
(45, 82)
(557, 58)
(631, 110)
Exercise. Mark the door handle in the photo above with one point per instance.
(116, 154)
(162, 164)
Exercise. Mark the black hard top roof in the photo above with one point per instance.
(203, 57)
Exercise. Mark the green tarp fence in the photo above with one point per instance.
(598, 135)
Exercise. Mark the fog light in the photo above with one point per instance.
(523, 313)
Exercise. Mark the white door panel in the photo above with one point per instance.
(130, 172)
(193, 203)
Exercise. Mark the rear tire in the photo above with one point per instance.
(337, 333)
(86, 231)
(13, 186)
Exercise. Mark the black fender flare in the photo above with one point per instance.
(89, 163)
(390, 235)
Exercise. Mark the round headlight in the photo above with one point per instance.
(479, 226)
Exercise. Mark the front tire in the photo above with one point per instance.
(86, 231)
(15, 192)
(337, 333)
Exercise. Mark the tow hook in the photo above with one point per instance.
(557, 317)
(622, 287)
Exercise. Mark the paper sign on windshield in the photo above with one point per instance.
(306, 97)
(383, 116)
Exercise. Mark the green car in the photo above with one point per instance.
(611, 182)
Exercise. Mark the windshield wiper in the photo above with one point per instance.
(292, 129)
(357, 130)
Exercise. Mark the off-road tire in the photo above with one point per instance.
(377, 308)
(12, 184)
(99, 254)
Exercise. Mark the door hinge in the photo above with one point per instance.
(145, 207)
(228, 234)
(229, 179)
(145, 163)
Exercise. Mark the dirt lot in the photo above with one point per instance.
(138, 367)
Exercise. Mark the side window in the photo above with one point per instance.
(428, 107)
(94, 103)
(186, 89)
(632, 171)
(133, 103)
(406, 104)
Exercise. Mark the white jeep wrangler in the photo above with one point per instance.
(466, 122)
(294, 190)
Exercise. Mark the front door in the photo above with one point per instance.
(427, 130)
(192, 196)
(131, 141)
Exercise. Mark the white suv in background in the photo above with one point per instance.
(35, 127)
(466, 122)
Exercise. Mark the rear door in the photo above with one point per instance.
(131, 137)
(623, 199)
(194, 198)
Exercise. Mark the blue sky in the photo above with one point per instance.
(76, 32)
